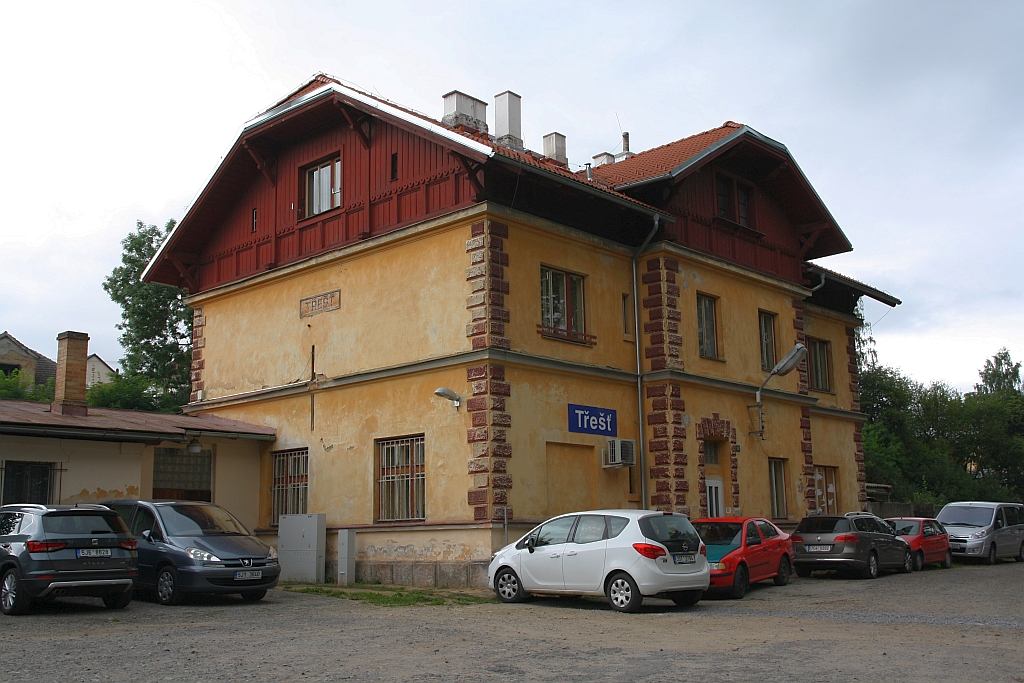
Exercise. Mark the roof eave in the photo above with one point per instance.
(866, 290)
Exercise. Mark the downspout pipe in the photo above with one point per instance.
(639, 367)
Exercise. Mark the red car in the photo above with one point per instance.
(927, 538)
(742, 550)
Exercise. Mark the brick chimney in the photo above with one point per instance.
(72, 357)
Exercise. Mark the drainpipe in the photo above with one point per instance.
(639, 367)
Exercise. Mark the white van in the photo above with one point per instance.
(988, 531)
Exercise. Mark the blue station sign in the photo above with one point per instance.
(592, 420)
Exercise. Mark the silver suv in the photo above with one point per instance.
(987, 531)
(856, 542)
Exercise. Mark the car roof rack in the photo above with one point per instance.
(35, 506)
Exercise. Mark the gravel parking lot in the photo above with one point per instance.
(936, 625)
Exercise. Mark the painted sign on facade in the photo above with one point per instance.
(328, 301)
(592, 420)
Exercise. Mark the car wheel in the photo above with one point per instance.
(687, 598)
(1020, 553)
(947, 562)
(623, 594)
(918, 561)
(117, 600)
(871, 570)
(782, 578)
(991, 557)
(167, 592)
(508, 586)
(908, 563)
(803, 572)
(740, 583)
(13, 599)
(253, 596)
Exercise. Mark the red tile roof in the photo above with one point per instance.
(660, 160)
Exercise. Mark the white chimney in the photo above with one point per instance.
(554, 147)
(604, 158)
(461, 109)
(508, 119)
(625, 153)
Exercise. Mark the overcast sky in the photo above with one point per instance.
(908, 118)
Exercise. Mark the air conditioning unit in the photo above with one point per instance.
(620, 453)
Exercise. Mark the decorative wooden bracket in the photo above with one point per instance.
(807, 241)
(356, 125)
(776, 172)
(188, 274)
(268, 169)
(471, 169)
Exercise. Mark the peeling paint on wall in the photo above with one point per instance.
(99, 495)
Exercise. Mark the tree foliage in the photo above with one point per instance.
(131, 392)
(934, 444)
(156, 325)
(23, 388)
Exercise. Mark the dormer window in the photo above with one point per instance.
(322, 187)
(735, 201)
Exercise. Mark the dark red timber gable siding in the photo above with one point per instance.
(429, 182)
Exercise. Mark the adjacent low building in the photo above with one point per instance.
(455, 337)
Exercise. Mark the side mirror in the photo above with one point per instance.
(531, 543)
(148, 535)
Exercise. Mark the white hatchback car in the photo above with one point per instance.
(624, 554)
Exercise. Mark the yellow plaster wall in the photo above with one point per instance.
(607, 274)
(823, 324)
(427, 545)
(547, 458)
(401, 302)
(236, 478)
(94, 471)
(833, 447)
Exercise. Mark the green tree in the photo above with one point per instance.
(156, 325)
(22, 388)
(999, 374)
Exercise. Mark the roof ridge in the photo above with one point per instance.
(727, 124)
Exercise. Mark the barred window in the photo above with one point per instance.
(291, 483)
(401, 480)
(28, 482)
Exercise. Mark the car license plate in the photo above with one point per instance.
(818, 548)
(93, 552)
(249, 575)
(688, 558)
(956, 546)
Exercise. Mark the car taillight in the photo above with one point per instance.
(45, 546)
(797, 539)
(846, 538)
(703, 549)
(130, 545)
(648, 550)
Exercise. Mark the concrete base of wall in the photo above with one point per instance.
(424, 574)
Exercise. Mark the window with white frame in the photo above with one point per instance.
(562, 306)
(713, 488)
(401, 479)
(322, 187)
(766, 321)
(290, 490)
(777, 487)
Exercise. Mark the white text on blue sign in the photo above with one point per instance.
(592, 420)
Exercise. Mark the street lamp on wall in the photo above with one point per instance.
(783, 367)
(446, 393)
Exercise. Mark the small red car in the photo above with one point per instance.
(927, 538)
(742, 550)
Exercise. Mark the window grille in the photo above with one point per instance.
(401, 479)
(290, 491)
(30, 482)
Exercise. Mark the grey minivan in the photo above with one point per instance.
(986, 531)
(187, 546)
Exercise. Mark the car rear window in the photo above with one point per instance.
(672, 531)
(965, 515)
(905, 527)
(84, 523)
(720, 533)
(823, 525)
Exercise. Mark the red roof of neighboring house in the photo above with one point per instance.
(661, 160)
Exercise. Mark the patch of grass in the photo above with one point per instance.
(394, 597)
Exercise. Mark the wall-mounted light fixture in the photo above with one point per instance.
(446, 393)
(783, 367)
(194, 447)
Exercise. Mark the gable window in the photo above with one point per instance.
(735, 201)
(561, 306)
(322, 187)
(401, 479)
(818, 365)
(767, 324)
(707, 332)
(290, 490)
